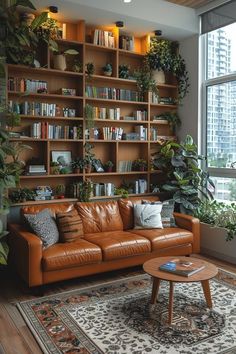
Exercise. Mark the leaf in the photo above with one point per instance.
(71, 52)
(39, 20)
(53, 45)
(25, 3)
(3, 253)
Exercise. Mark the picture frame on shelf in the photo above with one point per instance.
(98, 166)
(64, 159)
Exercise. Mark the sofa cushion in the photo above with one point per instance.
(54, 208)
(44, 226)
(100, 217)
(70, 226)
(167, 212)
(126, 209)
(70, 254)
(121, 244)
(147, 216)
(164, 238)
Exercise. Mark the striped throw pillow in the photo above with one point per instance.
(70, 226)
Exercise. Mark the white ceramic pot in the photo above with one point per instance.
(213, 243)
(159, 76)
(59, 62)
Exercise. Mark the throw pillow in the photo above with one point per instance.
(167, 217)
(147, 216)
(70, 226)
(44, 226)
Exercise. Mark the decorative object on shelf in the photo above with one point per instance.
(85, 190)
(59, 191)
(54, 168)
(159, 76)
(124, 71)
(59, 59)
(139, 165)
(90, 69)
(64, 160)
(89, 157)
(122, 192)
(24, 37)
(68, 91)
(108, 166)
(164, 55)
(77, 164)
(97, 164)
(107, 69)
(77, 66)
(43, 193)
(22, 195)
(172, 118)
(89, 116)
(145, 81)
(184, 177)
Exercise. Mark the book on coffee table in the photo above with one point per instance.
(181, 267)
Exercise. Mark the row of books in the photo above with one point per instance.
(141, 131)
(44, 130)
(112, 93)
(140, 186)
(33, 108)
(126, 42)
(22, 85)
(106, 113)
(153, 134)
(104, 38)
(103, 189)
(125, 166)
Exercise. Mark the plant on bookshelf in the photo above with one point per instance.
(77, 66)
(108, 166)
(122, 192)
(89, 157)
(139, 165)
(59, 191)
(59, 58)
(21, 195)
(172, 118)
(54, 168)
(77, 164)
(90, 69)
(89, 116)
(85, 190)
(124, 71)
(145, 81)
(107, 69)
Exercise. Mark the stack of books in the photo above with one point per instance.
(36, 170)
(181, 267)
(126, 42)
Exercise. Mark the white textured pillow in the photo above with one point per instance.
(147, 216)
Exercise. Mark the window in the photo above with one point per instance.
(219, 99)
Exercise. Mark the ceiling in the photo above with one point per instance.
(195, 4)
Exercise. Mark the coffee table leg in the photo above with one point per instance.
(207, 292)
(171, 301)
(155, 289)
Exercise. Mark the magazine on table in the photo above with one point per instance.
(181, 267)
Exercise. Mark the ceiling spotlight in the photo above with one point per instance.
(126, 1)
(53, 9)
(158, 33)
(119, 24)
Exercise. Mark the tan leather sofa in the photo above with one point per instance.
(109, 242)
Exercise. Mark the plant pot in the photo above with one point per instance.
(213, 243)
(108, 169)
(77, 170)
(107, 73)
(54, 171)
(59, 62)
(159, 76)
(88, 169)
(142, 168)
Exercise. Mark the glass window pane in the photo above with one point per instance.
(221, 51)
(225, 189)
(221, 125)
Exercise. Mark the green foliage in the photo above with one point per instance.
(3, 245)
(89, 69)
(85, 190)
(124, 71)
(89, 116)
(122, 192)
(60, 190)
(145, 81)
(138, 164)
(22, 194)
(218, 214)
(109, 163)
(78, 163)
(163, 55)
(185, 180)
(107, 68)
(172, 118)
(89, 155)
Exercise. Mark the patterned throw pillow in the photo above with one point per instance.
(70, 226)
(167, 217)
(147, 216)
(44, 226)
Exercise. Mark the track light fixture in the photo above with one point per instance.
(53, 9)
(158, 33)
(119, 24)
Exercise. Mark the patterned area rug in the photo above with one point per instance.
(117, 318)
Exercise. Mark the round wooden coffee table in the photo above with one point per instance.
(152, 268)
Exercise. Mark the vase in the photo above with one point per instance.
(107, 73)
(159, 76)
(59, 62)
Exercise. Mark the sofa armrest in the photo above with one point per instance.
(192, 224)
(26, 254)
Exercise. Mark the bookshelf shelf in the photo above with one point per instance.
(53, 109)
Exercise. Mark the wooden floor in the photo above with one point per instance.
(15, 337)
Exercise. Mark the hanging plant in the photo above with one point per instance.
(163, 55)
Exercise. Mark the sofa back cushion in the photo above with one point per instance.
(54, 208)
(127, 210)
(100, 216)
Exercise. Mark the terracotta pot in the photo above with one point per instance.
(159, 76)
(54, 171)
(109, 169)
(77, 170)
(59, 62)
(88, 169)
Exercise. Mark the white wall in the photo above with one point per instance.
(189, 110)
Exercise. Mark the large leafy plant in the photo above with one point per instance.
(164, 55)
(218, 214)
(184, 178)
(22, 40)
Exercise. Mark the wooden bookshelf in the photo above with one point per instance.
(80, 37)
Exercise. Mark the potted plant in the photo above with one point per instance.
(89, 157)
(107, 69)
(54, 168)
(139, 165)
(108, 166)
(77, 66)
(85, 190)
(184, 179)
(22, 195)
(77, 164)
(217, 229)
(89, 116)
(60, 191)
(124, 71)
(59, 58)
(90, 69)
(173, 120)
(163, 55)
(145, 81)
(122, 192)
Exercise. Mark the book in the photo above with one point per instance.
(181, 267)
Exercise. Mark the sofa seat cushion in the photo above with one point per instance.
(119, 244)
(71, 254)
(100, 216)
(164, 238)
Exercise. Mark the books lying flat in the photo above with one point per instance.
(181, 267)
